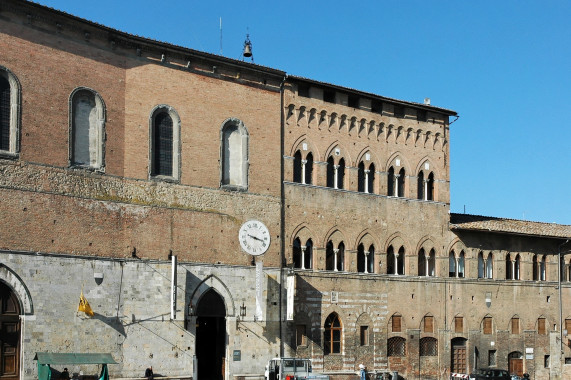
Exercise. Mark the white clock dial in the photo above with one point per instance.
(254, 237)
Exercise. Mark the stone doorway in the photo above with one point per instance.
(516, 363)
(211, 336)
(9, 334)
(459, 360)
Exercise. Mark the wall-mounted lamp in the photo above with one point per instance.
(98, 277)
(243, 310)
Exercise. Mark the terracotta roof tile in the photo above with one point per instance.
(509, 226)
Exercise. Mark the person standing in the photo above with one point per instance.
(362, 372)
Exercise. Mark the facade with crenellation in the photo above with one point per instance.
(118, 153)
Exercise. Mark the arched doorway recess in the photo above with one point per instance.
(211, 336)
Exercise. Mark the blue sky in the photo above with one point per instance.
(504, 66)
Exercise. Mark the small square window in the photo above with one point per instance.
(329, 96)
(491, 358)
(303, 90)
(377, 106)
(567, 360)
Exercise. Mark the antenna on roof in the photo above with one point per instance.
(220, 35)
(248, 48)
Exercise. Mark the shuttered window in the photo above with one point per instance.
(396, 323)
(459, 324)
(541, 326)
(568, 326)
(428, 324)
(487, 325)
(515, 326)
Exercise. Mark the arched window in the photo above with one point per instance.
(481, 265)
(516, 274)
(341, 174)
(340, 257)
(331, 172)
(461, 264)
(87, 116)
(431, 262)
(451, 264)
(308, 166)
(400, 261)
(401, 182)
(421, 263)
(391, 182)
(332, 335)
(165, 144)
(428, 346)
(430, 187)
(490, 266)
(365, 259)
(296, 253)
(361, 177)
(535, 268)
(297, 167)
(396, 346)
(509, 268)
(370, 176)
(543, 268)
(9, 113)
(234, 154)
(420, 185)
(308, 255)
(391, 261)
(334, 257)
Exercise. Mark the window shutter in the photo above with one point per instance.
(515, 325)
(428, 324)
(396, 323)
(459, 324)
(487, 325)
(541, 326)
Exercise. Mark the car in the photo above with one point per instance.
(490, 374)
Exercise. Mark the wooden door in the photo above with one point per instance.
(459, 360)
(9, 334)
(516, 366)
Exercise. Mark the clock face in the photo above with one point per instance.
(254, 237)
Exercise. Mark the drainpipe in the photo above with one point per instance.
(282, 213)
(560, 303)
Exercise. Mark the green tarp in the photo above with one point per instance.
(46, 359)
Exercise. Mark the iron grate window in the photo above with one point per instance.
(163, 145)
(4, 114)
(428, 347)
(396, 346)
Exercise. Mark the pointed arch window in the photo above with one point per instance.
(452, 265)
(430, 187)
(302, 254)
(9, 113)
(332, 335)
(426, 263)
(340, 174)
(235, 155)
(395, 261)
(401, 182)
(334, 257)
(365, 259)
(420, 185)
(535, 268)
(391, 182)
(87, 134)
(307, 169)
(481, 265)
(461, 265)
(490, 266)
(297, 167)
(165, 143)
(331, 172)
(365, 177)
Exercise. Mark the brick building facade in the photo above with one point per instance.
(118, 152)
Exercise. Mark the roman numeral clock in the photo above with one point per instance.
(254, 237)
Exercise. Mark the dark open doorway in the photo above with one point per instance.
(211, 336)
(9, 334)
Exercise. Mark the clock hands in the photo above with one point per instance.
(255, 237)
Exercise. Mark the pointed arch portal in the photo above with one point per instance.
(210, 336)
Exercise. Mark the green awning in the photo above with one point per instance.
(58, 358)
